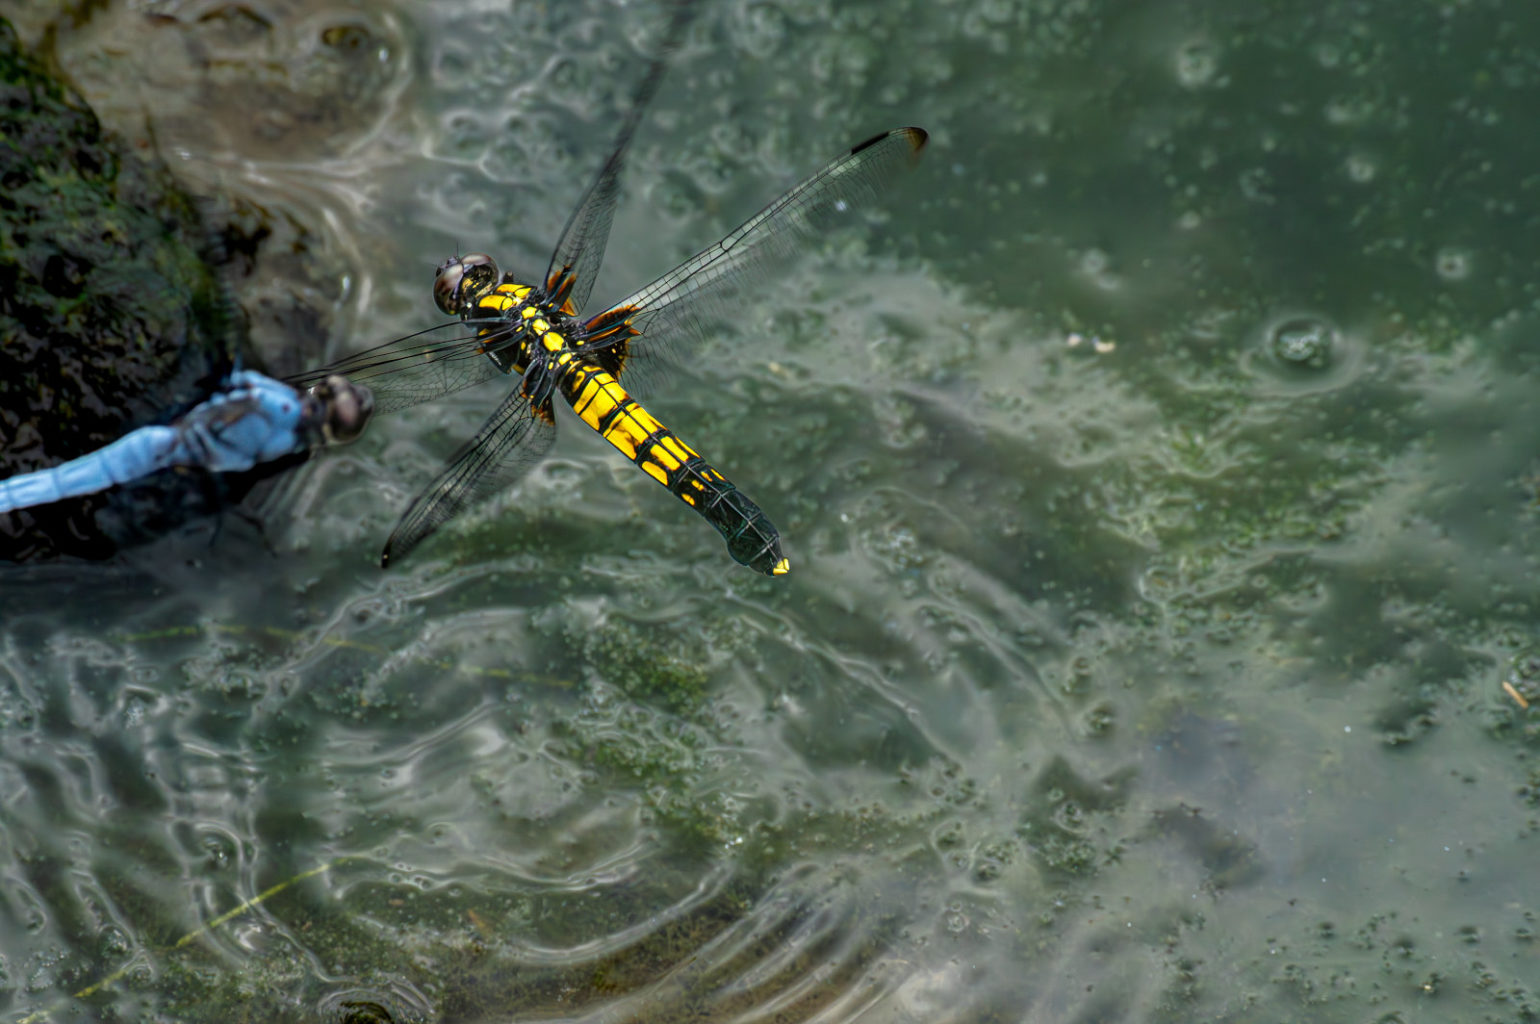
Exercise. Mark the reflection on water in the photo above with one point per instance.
(1158, 679)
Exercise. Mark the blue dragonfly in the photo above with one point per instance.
(250, 420)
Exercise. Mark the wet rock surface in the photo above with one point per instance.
(111, 313)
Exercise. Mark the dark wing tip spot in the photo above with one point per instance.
(916, 137)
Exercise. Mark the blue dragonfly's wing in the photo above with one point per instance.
(516, 437)
(575, 262)
(679, 309)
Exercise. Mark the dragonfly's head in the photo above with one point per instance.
(340, 409)
(462, 281)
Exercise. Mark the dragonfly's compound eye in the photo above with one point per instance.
(462, 281)
(345, 408)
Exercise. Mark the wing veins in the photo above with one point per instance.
(698, 291)
(513, 439)
(569, 277)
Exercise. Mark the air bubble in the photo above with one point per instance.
(1361, 169)
(1096, 264)
(1452, 264)
(1196, 64)
(1346, 111)
(1304, 343)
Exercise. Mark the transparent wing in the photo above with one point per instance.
(681, 306)
(575, 263)
(423, 366)
(507, 445)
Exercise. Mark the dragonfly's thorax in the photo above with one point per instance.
(532, 337)
(508, 300)
(521, 302)
(504, 314)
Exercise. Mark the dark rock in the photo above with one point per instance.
(112, 314)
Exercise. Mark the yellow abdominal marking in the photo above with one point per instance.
(600, 397)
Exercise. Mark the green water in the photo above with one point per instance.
(1159, 477)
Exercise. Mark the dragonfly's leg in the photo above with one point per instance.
(212, 491)
(255, 521)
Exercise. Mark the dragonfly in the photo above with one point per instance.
(249, 420)
(533, 330)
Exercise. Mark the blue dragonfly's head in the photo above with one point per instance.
(462, 281)
(338, 409)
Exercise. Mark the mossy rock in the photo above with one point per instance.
(112, 314)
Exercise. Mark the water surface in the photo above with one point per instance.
(1158, 474)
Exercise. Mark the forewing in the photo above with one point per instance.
(423, 366)
(682, 306)
(507, 445)
(575, 263)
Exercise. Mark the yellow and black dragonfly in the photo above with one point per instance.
(535, 331)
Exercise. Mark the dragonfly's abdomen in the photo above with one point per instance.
(600, 401)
